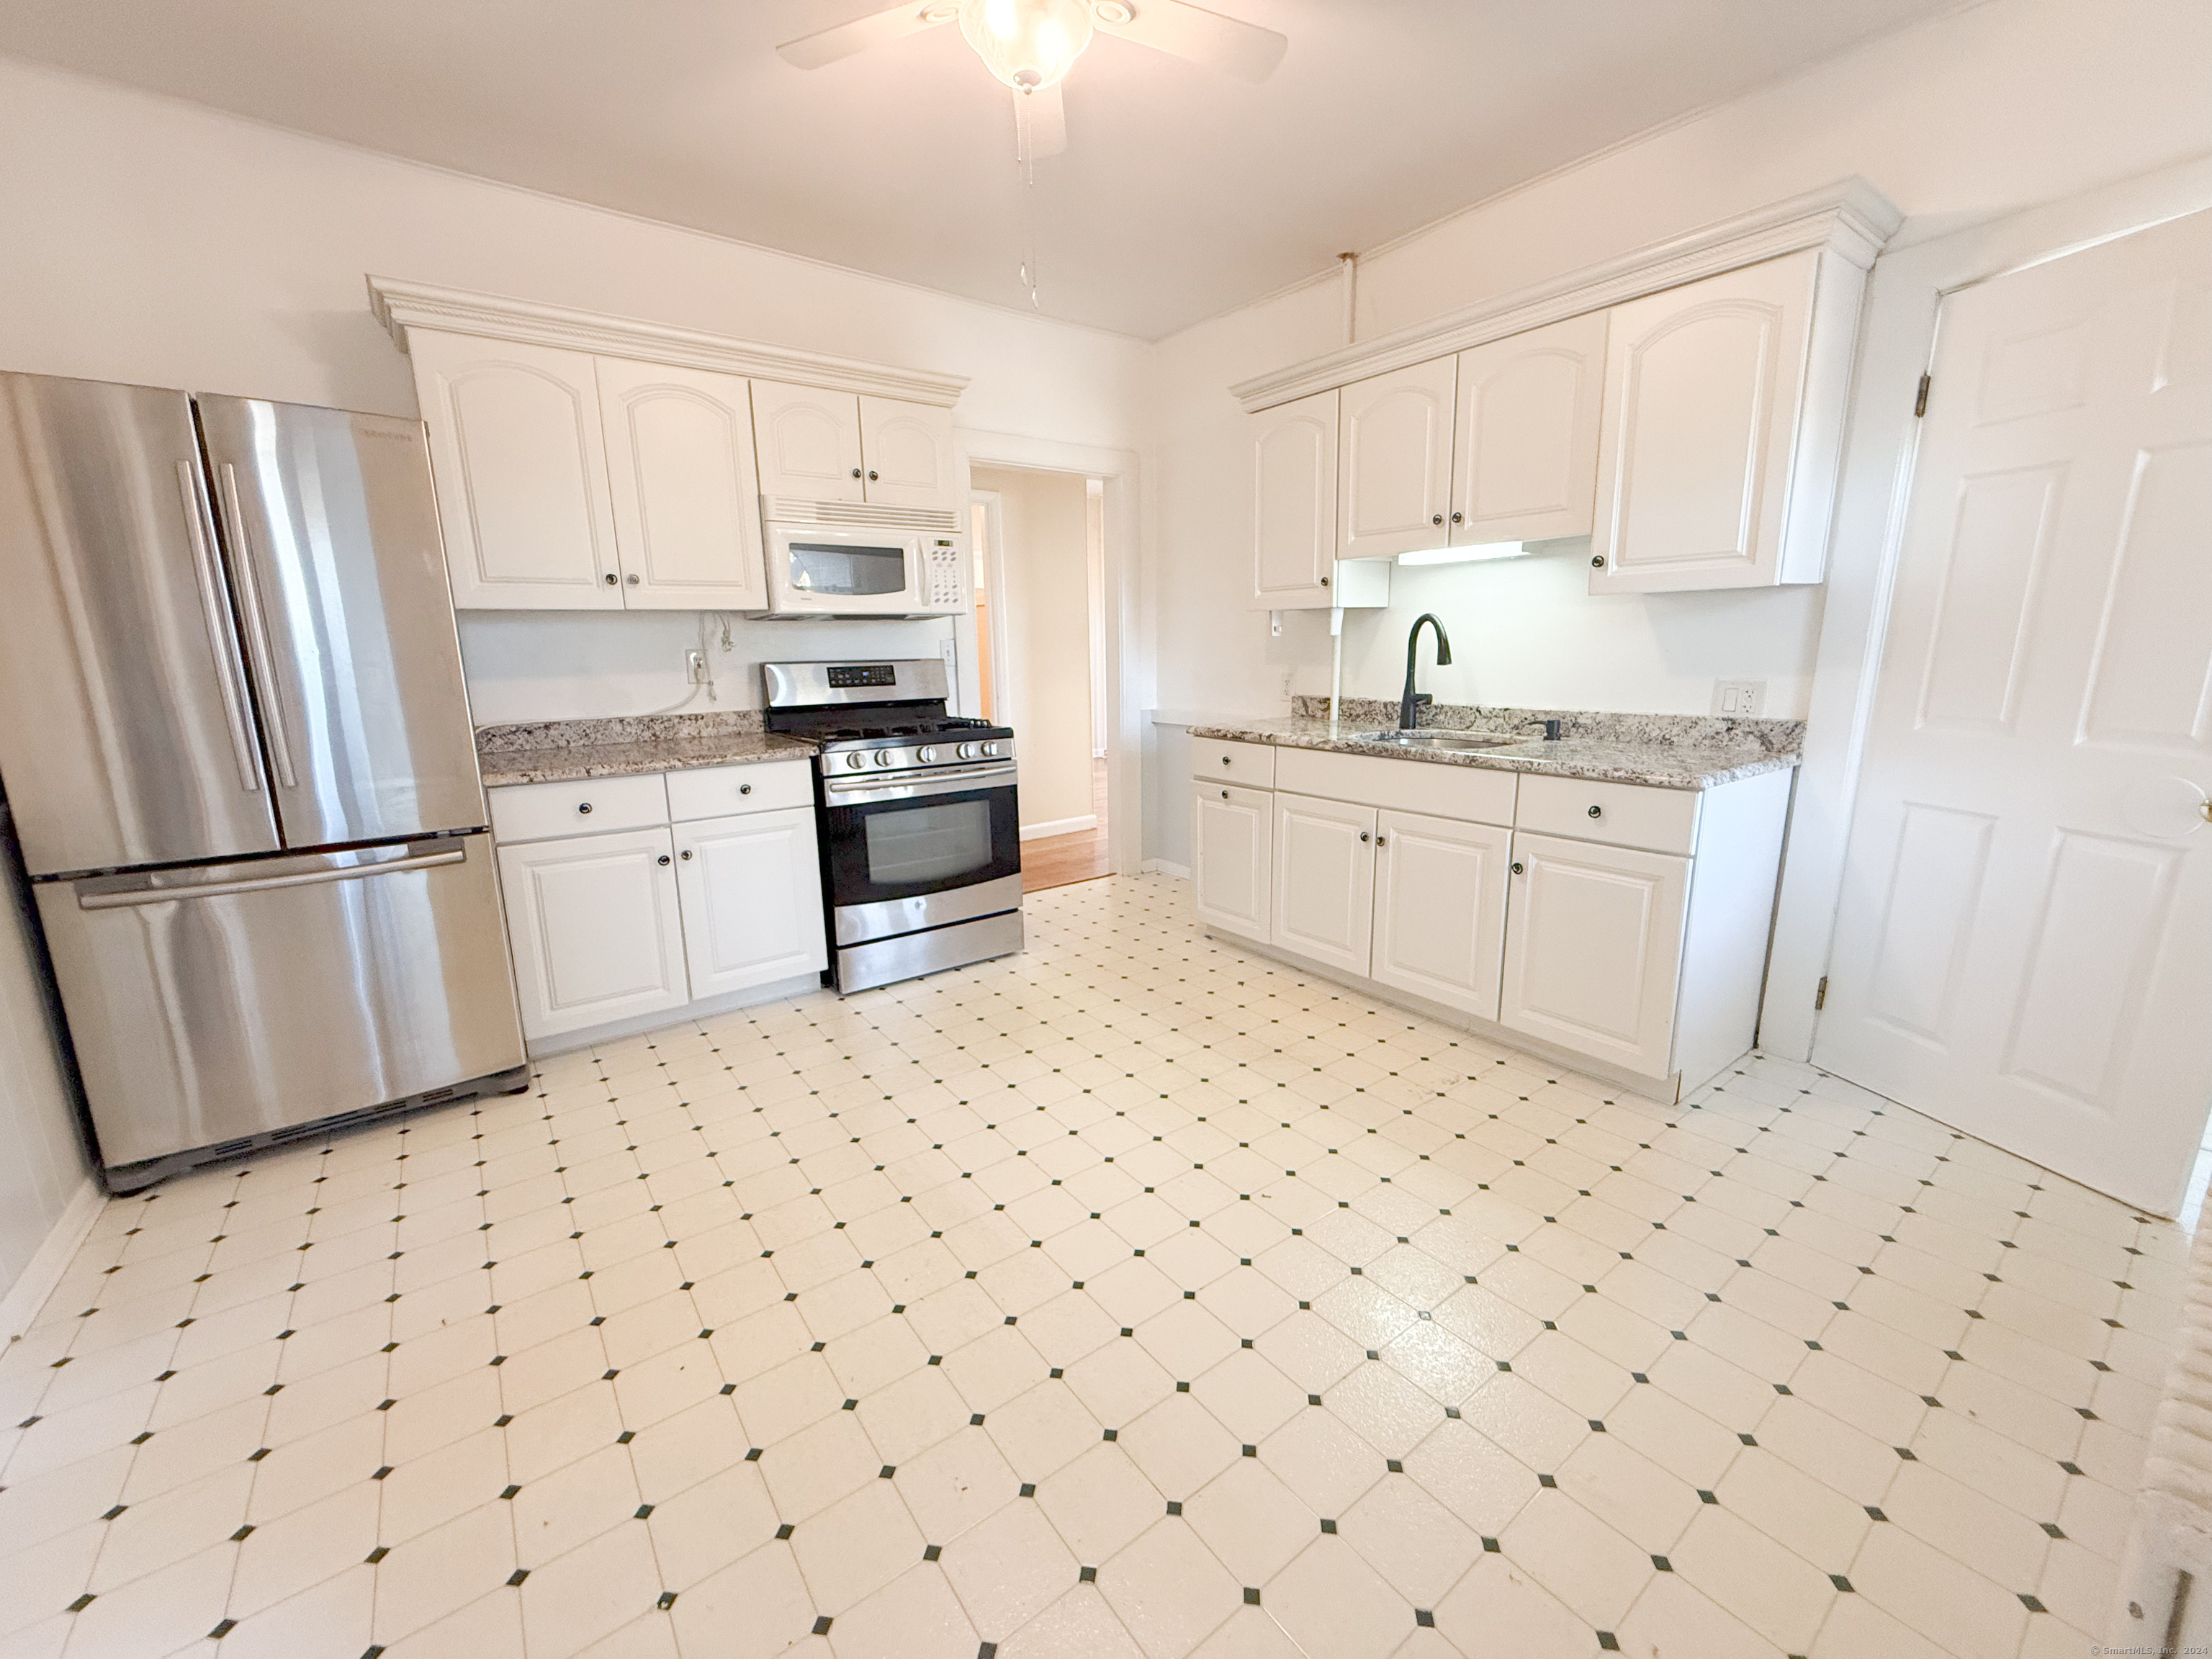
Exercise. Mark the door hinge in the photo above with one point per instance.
(1920, 401)
(1820, 993)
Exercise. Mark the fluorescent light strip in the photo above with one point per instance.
(1466, 554)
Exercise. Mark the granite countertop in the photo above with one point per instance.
(1662, 752)
(555, 751)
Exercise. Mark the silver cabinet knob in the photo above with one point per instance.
(584, 807)
(1459, 518)
(686, 856)
(1519, 868)
(1597, 561)
(856, 471)
(1438, 517)
(744, 789)
(662, 859)
(1381, 841)
(1363, 835)
(1324, 582)
(872, 475)
(1226, 759)
(1225, 795)
(610, 579)
(1597, 811)
(631, 579)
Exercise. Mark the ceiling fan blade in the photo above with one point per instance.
(1040, 123)
(1242, 50)
(827, 46)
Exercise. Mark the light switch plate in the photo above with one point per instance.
(1739, 697)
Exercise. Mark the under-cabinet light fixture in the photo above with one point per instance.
(1466, 554)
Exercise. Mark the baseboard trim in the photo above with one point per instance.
(1060, 827)
(28, 1294)
(564, 1043)
(1162, 867)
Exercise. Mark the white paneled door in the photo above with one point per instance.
(2024, 946)
(1294, 501)
(1325, 880)
(686, 496)
(1394, 474)
(1440, 909)
(595, 929)
(1231, 867)
(753, 911)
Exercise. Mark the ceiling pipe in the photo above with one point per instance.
(1349, 265)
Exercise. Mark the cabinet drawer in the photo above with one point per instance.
(538, 811)
(1618, 814)
(1472, 793)
(714, 792)
(1216, 760)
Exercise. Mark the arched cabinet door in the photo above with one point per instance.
(1294, 501)
(905, 450)
(519, 468)
(1526, 435)
(1394, 461)
(1724, 415)
(809, 442)
(686, 495)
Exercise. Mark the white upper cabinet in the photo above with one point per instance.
(680, 471)
(905, 450)
(1722, 427)
(1394, 461)
(519, 468)
(809, 441)
(1524, 466)
(1294, 501)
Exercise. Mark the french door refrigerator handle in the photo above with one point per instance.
(257, 630)
(135, 895)
(230, 675)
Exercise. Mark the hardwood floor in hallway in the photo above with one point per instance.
(1057, 860)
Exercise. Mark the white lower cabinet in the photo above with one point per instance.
(1593, 946)
(607, 926)
(1635, 941)
(1232, 869)
(751, 899)
(593, 923)
(1324, 902)
(1440, 889)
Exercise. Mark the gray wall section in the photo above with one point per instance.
(1167, 792)
(42, 1158)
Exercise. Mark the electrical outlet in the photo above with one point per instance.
(695, 664)
(1740, 697)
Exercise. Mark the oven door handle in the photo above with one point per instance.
(857, 790)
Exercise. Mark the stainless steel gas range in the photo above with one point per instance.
(922, 852)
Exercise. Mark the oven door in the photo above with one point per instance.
(899, 858)
(823, 570)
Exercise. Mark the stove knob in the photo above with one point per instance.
(884, 756)
(966, 751)
(855, 762)
(990, 747)
(925, 754)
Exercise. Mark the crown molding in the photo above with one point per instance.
(1849, 218)
(400, 306)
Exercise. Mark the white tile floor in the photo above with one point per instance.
(1134, 1296)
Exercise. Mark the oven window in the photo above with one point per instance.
(914, 844)
(844, 571)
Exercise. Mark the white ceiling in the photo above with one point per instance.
(1182, 193)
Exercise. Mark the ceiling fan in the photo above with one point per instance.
(1031, 45)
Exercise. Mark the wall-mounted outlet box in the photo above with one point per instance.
(1742, 697)
(695, 667)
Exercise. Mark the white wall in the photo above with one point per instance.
(2012, 102)
(1041, 612)
(42, 1162)
(157, 241)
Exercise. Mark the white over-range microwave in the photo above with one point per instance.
(862, 570)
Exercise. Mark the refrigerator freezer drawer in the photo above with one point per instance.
(230, 1001)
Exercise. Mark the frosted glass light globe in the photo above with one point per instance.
(1028, 44)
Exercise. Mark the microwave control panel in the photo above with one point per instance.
(941, 575)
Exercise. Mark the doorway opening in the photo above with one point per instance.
(1039, 551)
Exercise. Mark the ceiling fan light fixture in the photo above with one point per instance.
(1114, 12)
(1028, 44)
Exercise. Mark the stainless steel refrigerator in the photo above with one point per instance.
(236, 739)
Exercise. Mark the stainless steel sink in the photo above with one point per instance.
(1433, 739)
